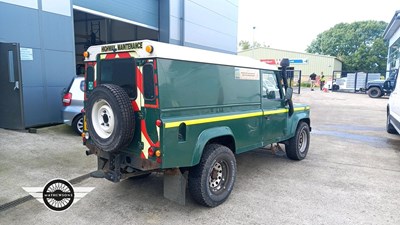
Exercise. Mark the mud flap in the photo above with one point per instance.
(175, 185)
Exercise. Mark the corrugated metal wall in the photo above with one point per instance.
(46, 27)
(211, 24)
(315, 63)
(144, 13)
(202, 24)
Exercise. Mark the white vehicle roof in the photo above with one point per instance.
(170, 51)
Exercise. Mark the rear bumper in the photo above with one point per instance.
(115, 166)
(69, 113)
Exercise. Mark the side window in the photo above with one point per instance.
(89, 79)
(270, 86)
(148, 81)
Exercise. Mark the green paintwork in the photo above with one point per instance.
(212, 101)
(298, 116)
(207, 135)
(198, 93)
(245, 131)
(273, 125)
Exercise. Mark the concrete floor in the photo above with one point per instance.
(350, 176)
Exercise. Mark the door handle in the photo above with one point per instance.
(16, 87)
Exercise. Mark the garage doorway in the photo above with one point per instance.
(93, 29)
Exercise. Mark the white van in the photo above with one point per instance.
(393, 110)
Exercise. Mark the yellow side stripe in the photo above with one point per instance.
(301, 108)
(231, 117)
(278, 111)
(212, 119)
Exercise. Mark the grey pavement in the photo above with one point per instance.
(350, 176)
(32, 159)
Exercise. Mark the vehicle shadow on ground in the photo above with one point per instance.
(149, 190)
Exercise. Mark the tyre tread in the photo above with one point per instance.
(375, 96)
(291, 146)
(75, 123)
(197, 188)
(124, 107)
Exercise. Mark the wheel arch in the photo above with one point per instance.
(293, 127)
(77, 115)
(374, 85)
(217, 135)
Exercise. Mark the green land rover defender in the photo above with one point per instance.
(156, 107)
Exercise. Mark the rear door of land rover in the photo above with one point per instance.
(138, 77)
(121, 69)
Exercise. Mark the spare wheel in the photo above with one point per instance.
(110, 117)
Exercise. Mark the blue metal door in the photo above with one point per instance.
(11, 107)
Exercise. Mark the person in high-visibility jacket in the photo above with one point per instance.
(322, 81)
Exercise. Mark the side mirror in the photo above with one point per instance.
(289, 94)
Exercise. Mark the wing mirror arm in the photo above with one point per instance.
(289, 91)
(289, 101)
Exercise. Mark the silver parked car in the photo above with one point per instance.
(73, 104)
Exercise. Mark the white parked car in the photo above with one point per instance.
(393, 110)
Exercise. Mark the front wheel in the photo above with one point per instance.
(212, 180)
(374, 92)
(297, 146)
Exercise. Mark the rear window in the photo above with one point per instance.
(121, 72)
(148, 81)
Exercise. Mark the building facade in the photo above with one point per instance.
(392, 37)
(42, 42)
(305, 62)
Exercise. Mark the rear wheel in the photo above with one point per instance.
(77, 124)
(110, 117)
(212, 180)
(374, 92)
(297, 146)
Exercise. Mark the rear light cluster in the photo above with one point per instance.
(153, 152)
(67, 99)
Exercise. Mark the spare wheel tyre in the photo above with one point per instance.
(110, 117)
